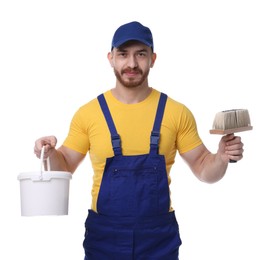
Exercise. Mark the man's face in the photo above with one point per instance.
(132, 62)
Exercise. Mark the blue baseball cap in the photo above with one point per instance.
(133, 31)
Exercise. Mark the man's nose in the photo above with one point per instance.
(132, 61)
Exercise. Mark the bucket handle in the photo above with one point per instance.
(42, 162)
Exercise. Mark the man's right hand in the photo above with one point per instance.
(49, 143)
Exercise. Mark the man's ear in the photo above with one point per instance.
(153, 59)
(110, 58)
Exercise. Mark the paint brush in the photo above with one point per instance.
(231, 121)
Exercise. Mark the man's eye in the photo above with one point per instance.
(122, 54)
(142, 54)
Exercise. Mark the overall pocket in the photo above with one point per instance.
(135, 191)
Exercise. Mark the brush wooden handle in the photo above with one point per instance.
(232, 161)
(230, 131)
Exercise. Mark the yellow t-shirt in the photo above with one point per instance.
(134, 122)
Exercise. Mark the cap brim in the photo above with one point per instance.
(119, 43)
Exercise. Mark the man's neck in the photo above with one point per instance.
(131, 95)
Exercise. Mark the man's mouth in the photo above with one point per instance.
(131, 73)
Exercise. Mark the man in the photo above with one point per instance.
(132, 133)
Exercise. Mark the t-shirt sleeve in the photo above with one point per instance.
(188, 137)
(77, 138)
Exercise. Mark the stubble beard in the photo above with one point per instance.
(131, 83)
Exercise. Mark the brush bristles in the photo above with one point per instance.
(230, 119)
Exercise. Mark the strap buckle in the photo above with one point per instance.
(116, 141)
(155, 136)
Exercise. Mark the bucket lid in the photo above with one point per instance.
(46, 176)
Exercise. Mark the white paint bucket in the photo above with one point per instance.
(44, 192)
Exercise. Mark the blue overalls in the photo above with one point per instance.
(133, 220)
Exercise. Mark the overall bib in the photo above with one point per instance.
(133, 220)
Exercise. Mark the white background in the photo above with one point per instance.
(212, 55)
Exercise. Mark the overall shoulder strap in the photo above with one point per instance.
(115, 138)
(155, 134)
